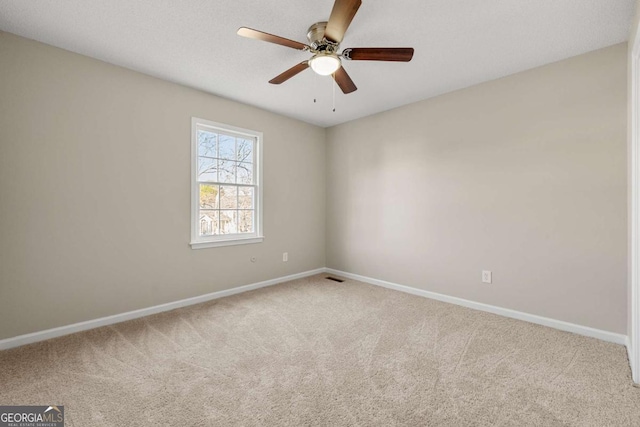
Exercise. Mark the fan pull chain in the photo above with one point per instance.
(334, 95)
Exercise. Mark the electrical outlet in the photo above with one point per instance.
(486, 276)
(285, 256)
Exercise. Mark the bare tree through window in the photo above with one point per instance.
(226, 179)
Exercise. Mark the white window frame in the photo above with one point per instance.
(201, 242)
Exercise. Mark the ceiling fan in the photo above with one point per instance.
(324, 42)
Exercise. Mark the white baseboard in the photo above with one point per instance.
(117, 318)
(532, 318)
(634, 372)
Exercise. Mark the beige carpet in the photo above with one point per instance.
(316, 352)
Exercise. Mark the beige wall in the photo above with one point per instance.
(524, 176)
(95, 191)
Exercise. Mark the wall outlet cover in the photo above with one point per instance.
(486, 276)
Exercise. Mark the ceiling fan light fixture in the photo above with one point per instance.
(325, 64)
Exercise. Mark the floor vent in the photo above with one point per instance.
(334, 279)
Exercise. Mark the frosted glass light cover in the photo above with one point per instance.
(324, 64)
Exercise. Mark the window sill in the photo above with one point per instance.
(230, 242)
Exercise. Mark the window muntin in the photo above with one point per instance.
(226, 184)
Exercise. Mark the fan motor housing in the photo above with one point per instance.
(317, 41)
(315, 34)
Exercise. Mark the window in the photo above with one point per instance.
(226, 187)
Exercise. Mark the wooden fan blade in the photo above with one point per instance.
(344, 81)
(401, 54)
(260, 35)
(341, 16)
(290, 73)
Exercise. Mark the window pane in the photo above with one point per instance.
(227, 171)
(228, 222)
(207, 169)
(245, 221)
(208, 223)
(244, 173)
(209, 196)
(227, 147)
(228, 197)
(245, 197)
(207, 144)
(245, 150)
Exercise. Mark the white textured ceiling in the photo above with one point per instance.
(458, 43)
